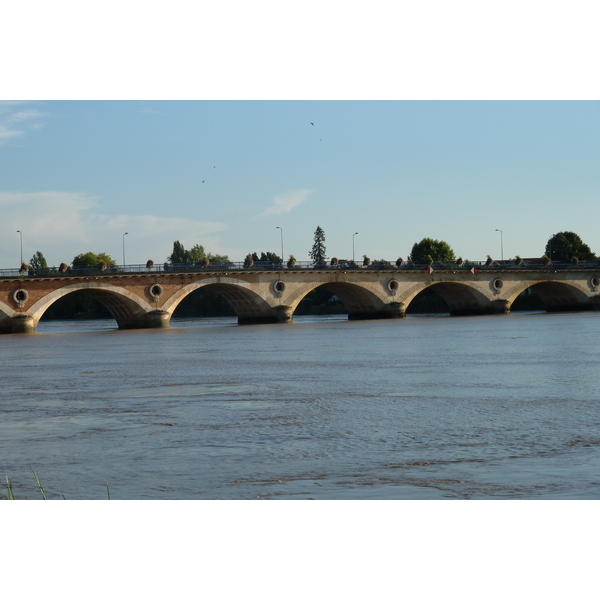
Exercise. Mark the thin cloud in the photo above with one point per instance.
(145, 109)
(64, 224)
(286, 203)
(15, 121)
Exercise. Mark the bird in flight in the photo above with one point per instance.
(203, 180)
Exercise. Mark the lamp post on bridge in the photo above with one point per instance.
(126, 233)
(501, 244)
(21, 234)
(281, 231)
(353, 245)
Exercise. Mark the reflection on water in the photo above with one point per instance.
(419, 408)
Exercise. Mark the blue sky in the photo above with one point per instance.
(76, 175)
(437, 119)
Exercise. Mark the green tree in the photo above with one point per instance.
(427, 247)
(563, 246)
(38, 261)
(266, 257)
(196, 254)
(179, 255)
(317, 252)
(218, 258)
(90, 259)
(270, 257)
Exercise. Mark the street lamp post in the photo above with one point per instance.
(126, 233)
(21, 234)
(353, 245)
(501, 244)
(281, 231)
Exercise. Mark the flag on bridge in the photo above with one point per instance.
(474, 271)
(429, 269)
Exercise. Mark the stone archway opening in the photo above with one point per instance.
(98, 301)
(248, 305)
(528, 300)
(552, 296)
(321, 301)
(457, 299)
(335, 297)
(204, 302)
(77, 305)
(428, 302)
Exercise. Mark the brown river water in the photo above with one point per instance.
(499, 407)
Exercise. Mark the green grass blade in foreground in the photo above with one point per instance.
(39, 483)
(9, 489)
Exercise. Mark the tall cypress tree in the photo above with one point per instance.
(317, 252)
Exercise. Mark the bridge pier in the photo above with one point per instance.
(279, 314)
(393, 310)
(495, 307)
(500, 307)
(18, 324)
(158, 319)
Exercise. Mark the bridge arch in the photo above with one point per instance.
(6, 311)
(461, 298)
(6, 315)
(249, 305)
(556, 295)
(129, 310)
(360, 300)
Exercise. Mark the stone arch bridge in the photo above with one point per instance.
(148, 299)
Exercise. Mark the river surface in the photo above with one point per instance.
(421, 408)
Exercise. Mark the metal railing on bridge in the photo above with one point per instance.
(344, 265)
